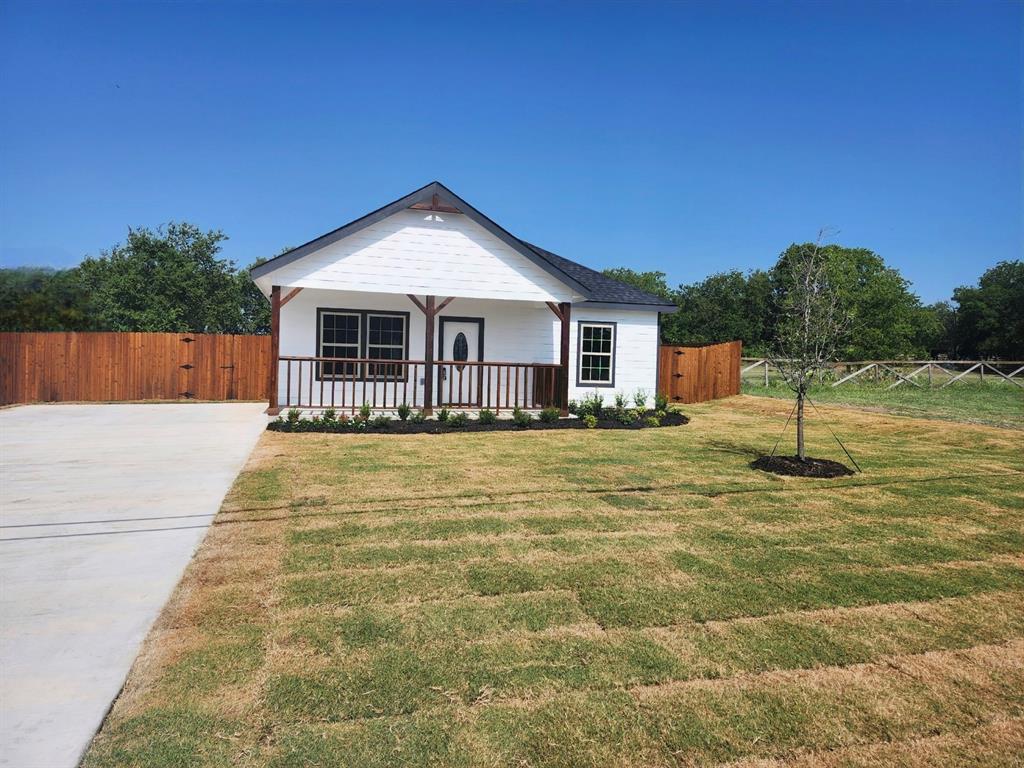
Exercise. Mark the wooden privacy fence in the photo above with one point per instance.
(696, 374)
(100, 367)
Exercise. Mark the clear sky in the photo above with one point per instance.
(689, 138)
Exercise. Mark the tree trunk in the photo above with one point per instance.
(800, 452)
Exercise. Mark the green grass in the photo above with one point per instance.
(597, 599)
(998, 403)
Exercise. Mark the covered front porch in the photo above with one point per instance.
(346, 349)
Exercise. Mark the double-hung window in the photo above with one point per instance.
(350, 333)
(339, 336)
(596, 357)
(385, 340)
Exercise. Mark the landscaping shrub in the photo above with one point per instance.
(621, 401)
(459, 419)
(590, 420)
(550, 415)
(640, 399)
(293, 415)
(403, 411)
(381, 422)
(364, 411)
(592, 404)
(418, 418)
(521, 418)
(487, 416)
(652, 421)
(443, 415)
(330, 416)
(660, 402)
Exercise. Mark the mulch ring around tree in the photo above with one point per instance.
(434, 427)
(793, 465)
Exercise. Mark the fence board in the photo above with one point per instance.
(696, 374)
(105, 367)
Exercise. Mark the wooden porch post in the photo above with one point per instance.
(565, 309)
(275, 347)
(428, 357)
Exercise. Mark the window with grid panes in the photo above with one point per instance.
(597, 353)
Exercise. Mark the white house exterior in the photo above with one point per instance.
(465, 314)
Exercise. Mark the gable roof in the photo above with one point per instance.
(597, 288)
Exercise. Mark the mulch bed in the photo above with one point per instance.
(792, 465)
(432, 427)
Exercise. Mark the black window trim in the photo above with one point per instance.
(364, 330)
(579, 352)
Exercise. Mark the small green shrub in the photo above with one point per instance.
(623, 415)
(521, 418)
(330, 416)
(550, 415)
(661, 414)
(293, 415)
(640, 399)
(364, 411)
(459, 419)
(652, 421)
(590, 420)
(660, 402)
(443, 415)
(621, 401)
(487, 416)
(380, 422)
(403, 411)
(591, 404)
(343, 420)
(574, 407)
(418, 418)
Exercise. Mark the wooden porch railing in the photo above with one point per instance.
(345, 384)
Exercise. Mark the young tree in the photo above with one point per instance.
(811, 325)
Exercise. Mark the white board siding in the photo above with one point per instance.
(422, 252)
(514, 331)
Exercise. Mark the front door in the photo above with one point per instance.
(460, 340)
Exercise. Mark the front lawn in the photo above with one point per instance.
(583, 598)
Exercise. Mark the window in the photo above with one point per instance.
(339, 337)
(596, 359)
(359, 333)
(385, 341)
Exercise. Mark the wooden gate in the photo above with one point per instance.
(106, 367)
(696, 374)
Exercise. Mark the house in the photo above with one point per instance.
(428, 302)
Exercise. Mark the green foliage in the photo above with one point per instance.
(590, 420)
(293, 415)
(660, 402)
(35, 299)
(592, 404)
(990, 318)
(487, 416)
(330, 416)
(549, 415)
(621, 401)
(640, 398)
(652, 421)
(403, 411)
(521, 418)
(443, 415)
(418, 418)
(380, 422)
(652, 282)
(722, 307)
(364, 411)
(170, 279)
(459, 419)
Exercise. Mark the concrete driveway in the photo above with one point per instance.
(101, 508)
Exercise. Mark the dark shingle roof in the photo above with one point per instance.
(600, 288)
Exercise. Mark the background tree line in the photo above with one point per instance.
(888, 320)
(173, 279)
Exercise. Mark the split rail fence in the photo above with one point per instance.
(107, 367)
(896, 373)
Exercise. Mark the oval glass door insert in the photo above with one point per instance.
(460, 349)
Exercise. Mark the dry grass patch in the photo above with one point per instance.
(602, 599)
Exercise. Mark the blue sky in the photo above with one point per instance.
(689, 138)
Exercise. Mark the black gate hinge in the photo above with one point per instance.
(187, 366)
(186, 394)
